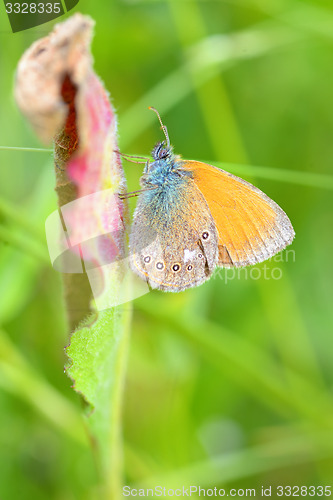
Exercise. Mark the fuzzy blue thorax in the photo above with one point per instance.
(165, 186)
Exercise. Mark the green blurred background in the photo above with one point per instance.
(229, 384)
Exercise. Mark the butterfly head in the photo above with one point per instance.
(162, 151)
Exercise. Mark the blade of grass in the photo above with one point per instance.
(305, 16)
(206, 59)
(19, 378)
(20, 241)
(16, 216)
(295, 450)
(310, 179)
(31, 150)
(19, 263)
(216, 108)
(249, 367)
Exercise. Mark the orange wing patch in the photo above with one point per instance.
(251, 227)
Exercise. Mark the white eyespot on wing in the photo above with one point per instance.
(189, 255)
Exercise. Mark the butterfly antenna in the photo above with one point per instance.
(165, 130)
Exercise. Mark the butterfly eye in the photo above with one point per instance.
(159, 266)
(189, 267)
(176, 268)
(160, 152)
(147, 259)
(163, 153)
(205, 235)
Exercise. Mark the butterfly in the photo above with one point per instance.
(191, 217)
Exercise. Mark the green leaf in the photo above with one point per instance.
(98, 354)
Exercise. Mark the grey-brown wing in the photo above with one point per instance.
(173, 242)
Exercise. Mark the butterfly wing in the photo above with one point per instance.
(173, 241)
(251, 227)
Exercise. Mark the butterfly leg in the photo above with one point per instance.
(130, 157)
(132, 194)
